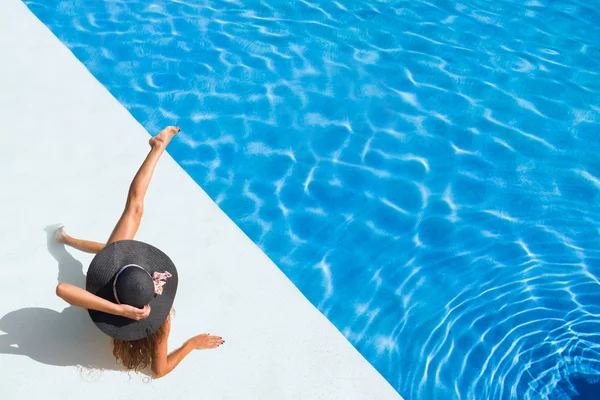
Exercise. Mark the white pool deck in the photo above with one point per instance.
(69, 151)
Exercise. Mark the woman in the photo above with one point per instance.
(127, 295)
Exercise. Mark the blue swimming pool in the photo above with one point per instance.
(426, 173)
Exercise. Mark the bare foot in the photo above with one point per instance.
(59, 235)
(164, 137)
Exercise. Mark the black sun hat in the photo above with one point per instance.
(134, 273)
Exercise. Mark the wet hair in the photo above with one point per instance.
(136, 355)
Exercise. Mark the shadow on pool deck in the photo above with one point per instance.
(66, 338)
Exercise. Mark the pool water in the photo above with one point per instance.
(427, 174)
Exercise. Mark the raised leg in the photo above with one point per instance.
(129, 222)
(83, 245)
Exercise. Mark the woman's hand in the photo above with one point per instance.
(205, 341)
(134, 313)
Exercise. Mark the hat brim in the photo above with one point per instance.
(99, 281)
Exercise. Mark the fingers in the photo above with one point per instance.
(146, 311)
(134, 312)
(208, 341)
(216, 341)
(142, 313)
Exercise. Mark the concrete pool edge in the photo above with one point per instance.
(70, 152)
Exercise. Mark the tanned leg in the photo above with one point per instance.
(129, 222)
(83, 245)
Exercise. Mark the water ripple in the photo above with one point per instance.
(426, 173)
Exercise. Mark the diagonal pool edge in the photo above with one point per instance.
(61, 125)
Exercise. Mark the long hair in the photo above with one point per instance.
(137, 354)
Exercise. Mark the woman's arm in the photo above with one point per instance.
(162, 363)
(77, 296)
